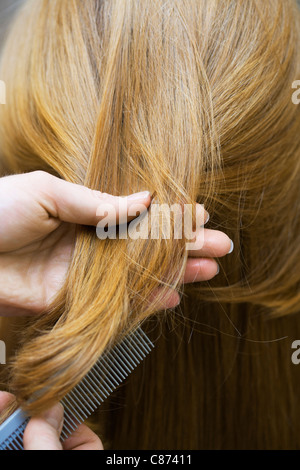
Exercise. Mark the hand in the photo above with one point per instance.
(38, 214)
(43, 432)
(201, 265)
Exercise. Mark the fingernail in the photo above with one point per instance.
(207, 219)
(218, 270)
(231, 247)
(142, 195)
(55, 416)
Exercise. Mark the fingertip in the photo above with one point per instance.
(170, 300)
(141, 199)
(40, 434)
(174, 300)
(43, 431)
(162, 299)
(5, 399)
(83, 439)
(54, 416)
(141, 196)
(200, 269)
(231, 247)
(211, 243)
(213, 270)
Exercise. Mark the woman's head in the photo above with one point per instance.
(188, 99)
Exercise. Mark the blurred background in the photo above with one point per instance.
(7, 8)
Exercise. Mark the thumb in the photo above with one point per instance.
(78, 204)
(43, 432)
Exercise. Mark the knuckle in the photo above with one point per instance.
(97, 194)
(104, 196)
(40, 175)
(40, 180)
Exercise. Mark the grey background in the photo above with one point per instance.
(7, 8)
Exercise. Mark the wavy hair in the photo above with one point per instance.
(189, 99)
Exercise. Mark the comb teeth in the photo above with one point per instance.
(104, 377)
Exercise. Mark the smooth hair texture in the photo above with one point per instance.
(190, 99)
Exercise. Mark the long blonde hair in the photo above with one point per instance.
(191, 100)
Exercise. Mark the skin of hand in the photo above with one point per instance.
(39, 213)
(43, 432)
(38, 216)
